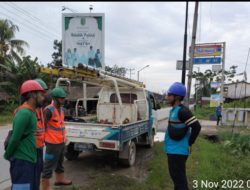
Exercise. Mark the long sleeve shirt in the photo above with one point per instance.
(22, 144)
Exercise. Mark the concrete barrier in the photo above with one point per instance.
(236, 116)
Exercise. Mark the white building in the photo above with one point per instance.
(237, 90)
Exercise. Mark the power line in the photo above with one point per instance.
(33, 24)
(23, 24)
(28, 13)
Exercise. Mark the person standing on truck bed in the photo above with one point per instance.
(55, 138)
(21, 149)
(183, 129)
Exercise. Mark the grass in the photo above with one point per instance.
(238, 103)
(204, 113)
(208, 161)
(5, 117)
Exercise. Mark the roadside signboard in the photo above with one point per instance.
(207, 60)
(83, 40)
(215, 84)
(207, 50)
(179, 65)
(215, 100)
(216, 68)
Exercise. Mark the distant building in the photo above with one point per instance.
(237, 90)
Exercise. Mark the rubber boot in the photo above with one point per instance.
(60, 180)
(46, 184)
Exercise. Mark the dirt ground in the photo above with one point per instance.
(88, 166)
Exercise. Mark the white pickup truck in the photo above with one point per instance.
(125, 116)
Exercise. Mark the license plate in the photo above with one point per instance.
(83, 146)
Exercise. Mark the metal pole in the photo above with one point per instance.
(185, 48)
(222, 73)
(85, 96)
(130, 72)
(192, 52)
(141, 70)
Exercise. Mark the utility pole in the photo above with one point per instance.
(130, 72)
(223, 74)
(192, 53)
(183, 77)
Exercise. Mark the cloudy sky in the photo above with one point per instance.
(141, 33)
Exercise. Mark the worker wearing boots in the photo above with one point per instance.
(55, 138)
(21, 150)
(39, 134)
(183, 129)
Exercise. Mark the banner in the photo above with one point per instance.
(215, 100)
(207, 60)
(179, 65)
(215, 84)
(207, 50)
(83, 40)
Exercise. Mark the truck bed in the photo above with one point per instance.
(98, 133)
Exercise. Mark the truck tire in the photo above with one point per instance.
(130, 161)
(70, 153)
(150, 140)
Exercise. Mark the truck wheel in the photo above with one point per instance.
(130, 161)
(150, 139)
(70, 153)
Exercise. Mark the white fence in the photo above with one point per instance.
(236, 116)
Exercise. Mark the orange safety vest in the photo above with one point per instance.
(40, 129)
(55, 129)
(24, 105)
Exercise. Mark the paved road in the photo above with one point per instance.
(4, 165)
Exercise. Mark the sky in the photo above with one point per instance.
(140, 33)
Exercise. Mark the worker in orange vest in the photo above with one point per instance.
(21, 150)
(55, 138)
(39, 134)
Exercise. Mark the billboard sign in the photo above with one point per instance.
(207, 60)
(83, 40)
(207, 50)
(179, 65)
(215, 100)
(215, 84)
(216, 68)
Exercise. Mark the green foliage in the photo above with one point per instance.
(6, 117)
(204, 79)
(238, 145)
(215, 163)
(10, 47)
(121, 71)
(238, 103)
(204, 112)
(57, 55)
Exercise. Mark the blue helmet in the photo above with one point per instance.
(177, 89)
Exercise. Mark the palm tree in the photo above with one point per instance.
(10, 48)
(10, 51)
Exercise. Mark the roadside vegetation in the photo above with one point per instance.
(6, 117)
(206, 112)
(212, 161)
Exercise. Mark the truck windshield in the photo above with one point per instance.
(127, 98)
